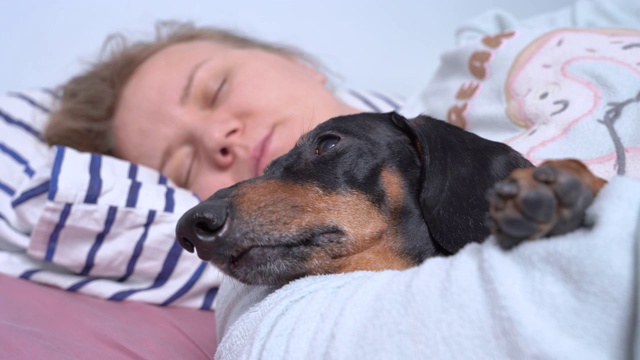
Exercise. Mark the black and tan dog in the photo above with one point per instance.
(378, 191)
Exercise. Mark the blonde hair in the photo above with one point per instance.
(83, 117)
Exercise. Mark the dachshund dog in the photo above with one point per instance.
(378, 191)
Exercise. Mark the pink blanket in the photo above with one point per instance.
(40, 322)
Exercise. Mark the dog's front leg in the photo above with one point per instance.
(539, 202)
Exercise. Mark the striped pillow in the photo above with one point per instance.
(91, 223)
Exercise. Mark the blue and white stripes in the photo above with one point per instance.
(8, 119)
(21, 144)
(90, 223)
(371, 101)
(117, 245)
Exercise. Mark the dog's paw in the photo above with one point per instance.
(537, 202)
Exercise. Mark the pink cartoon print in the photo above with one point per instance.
(577, 94)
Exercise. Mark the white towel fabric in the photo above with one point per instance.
(569, 297)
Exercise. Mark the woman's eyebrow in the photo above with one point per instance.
(187, 87)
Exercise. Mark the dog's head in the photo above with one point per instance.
(358, 192)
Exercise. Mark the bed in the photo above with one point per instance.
(90, 267)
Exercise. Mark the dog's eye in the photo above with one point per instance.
(326, 143)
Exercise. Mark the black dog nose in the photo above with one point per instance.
(199, 227)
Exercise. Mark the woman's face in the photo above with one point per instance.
(209, 115)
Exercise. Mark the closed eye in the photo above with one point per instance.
(216, 94)
(326, 143)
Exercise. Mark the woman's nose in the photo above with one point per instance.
(220, 139)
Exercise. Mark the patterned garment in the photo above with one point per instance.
(561, 85)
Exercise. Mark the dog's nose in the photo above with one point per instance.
(199, 227)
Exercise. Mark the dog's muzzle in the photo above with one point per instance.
(201, 226)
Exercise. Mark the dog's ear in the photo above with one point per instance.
(458, 168)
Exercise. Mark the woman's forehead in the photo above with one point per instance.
(177, 59)
(160, 78)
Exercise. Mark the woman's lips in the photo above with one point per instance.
(259, 154)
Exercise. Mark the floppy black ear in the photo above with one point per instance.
(458, 168)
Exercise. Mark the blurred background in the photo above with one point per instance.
(385, 45)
